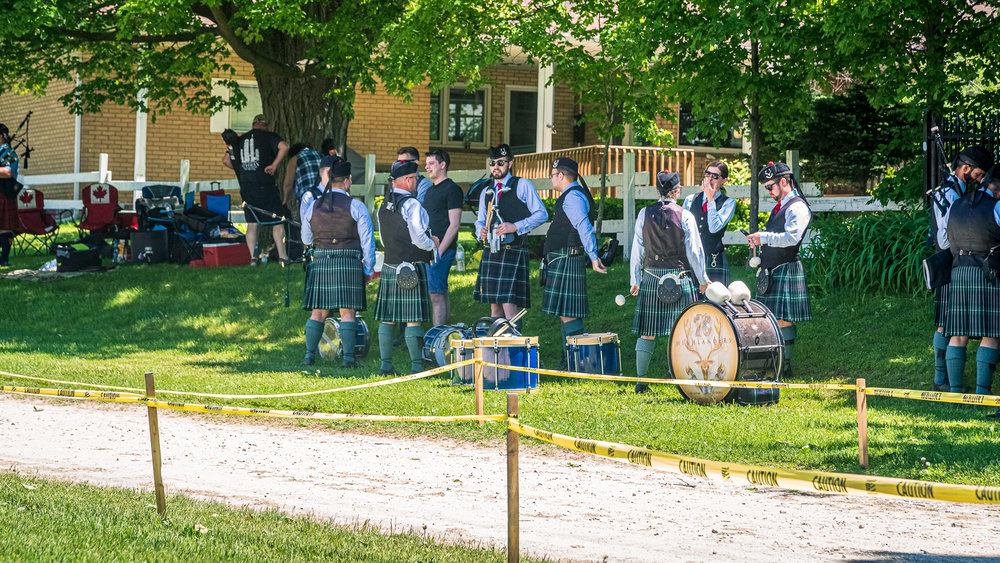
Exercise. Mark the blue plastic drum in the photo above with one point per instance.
(438, 342)
(330, 347)
(598, 353)
(515, 351)
(462, 350)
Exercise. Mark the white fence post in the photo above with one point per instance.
(103, 168)
(185, 176)
(628, 211)
(370, 182)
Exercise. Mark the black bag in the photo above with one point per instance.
(937, 269)
(668, 289)
(76, 257)
(407, 277)
(184, 250)
(201, 221)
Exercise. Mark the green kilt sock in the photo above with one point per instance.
(386, 334)
(940, 367)
(412, 335)
(955, 358)
(348, 339)
(788, 334)
(643, 355)
(314, 332)
(986, 362)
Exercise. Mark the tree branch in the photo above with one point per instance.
(143, 39)
(244, 51)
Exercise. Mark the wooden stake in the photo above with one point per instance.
(862, 424)
(154, 443)
(477, 354)
(513, 491)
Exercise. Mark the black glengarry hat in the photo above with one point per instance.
(402, 168)
(501, 151)
(666, 182)
(978, 156)
(772, 171)
(567, 164)
(341, 168)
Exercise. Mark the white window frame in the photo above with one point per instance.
(444, 96)
(220, 120)
(506, 110)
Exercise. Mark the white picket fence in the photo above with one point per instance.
(631, 186)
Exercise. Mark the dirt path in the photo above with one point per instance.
(573, 506)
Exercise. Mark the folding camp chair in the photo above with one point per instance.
(39, 225)
(157, 205)
(100, 210)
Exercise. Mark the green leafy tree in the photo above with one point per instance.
(309, 57)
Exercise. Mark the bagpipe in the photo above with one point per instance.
(8, 155)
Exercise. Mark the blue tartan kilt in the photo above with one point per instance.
(565, 292)
(336, 280)
(973, 304)
(788, 298)
(654, 317)
(720, 271)
(941, 306)
(397, 305)
(503, 278)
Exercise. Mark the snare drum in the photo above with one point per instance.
(519, 351)
(329, 345)
(438, 341)
(462, 350)
(594, 353)
(716, 343)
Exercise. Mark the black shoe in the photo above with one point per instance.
(4, 263)
(942, 388)
(309, 360)
(642, 388)
(348, 365)
(390, 372)
(994, 416)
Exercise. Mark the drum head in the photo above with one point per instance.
(703, 346)
(669, 289)
(406, 276)
(763, 281)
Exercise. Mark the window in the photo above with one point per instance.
(238, 120)
(458, 117)
(686, 121)
(522, 119)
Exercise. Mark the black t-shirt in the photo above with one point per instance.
(437, 201)
(257, 150)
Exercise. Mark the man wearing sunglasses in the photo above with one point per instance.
(713, 211)
(970, 168)
(787, 295)
(509, 209)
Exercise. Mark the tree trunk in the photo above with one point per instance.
(599, 224)
(755, 140)
(300, 111)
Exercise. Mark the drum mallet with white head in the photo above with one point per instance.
(740, 294)
(719, 294)
(620, 300)
(754, 259)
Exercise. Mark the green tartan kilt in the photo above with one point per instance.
(396, 305)
(336, 280)
(654, 317)
(788, 298)
(973, 304)
(720, 271)
(941, 305)
(503, 278)
(565, 292)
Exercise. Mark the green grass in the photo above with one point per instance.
(52, 521)
(225, 330)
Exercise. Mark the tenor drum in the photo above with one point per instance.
(598, 353)
(462, 350)
(329, 345)
(438, 342)
(515, 351)
(713, 343)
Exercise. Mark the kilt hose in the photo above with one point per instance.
(973, 304)
(565, 292)
(397, 305)
(788, 298)
(941, 305)
(654, 317)
(336, 280)
(503, 278)
(717, 268)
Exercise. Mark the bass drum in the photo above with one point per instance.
(329, 345)
(713, 343)
(439, 340)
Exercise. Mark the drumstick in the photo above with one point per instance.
(519, 314)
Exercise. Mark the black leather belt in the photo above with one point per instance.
(970, 253)
(510, 246)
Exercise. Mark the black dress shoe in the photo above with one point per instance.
(309, 360)
(942, 388)
(349, 365)
(390, 372)
(642, 388)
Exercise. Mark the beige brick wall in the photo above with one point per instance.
(383, 123)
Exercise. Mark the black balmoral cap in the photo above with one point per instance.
(402, 168)
(773, 170)
(566, 163)
(978, 156)
(667, 181)
(501, 151)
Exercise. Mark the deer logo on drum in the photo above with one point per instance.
(713, 331)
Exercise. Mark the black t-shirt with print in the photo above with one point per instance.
(437, 201)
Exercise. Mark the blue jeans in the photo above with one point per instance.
(437, 273)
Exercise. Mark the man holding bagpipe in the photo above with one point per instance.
(10, 224)
(781, 279)
(343, 259)
(508, 210)
(972, 164)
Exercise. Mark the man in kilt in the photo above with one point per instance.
(666, 243)
(713, 211)
(409, 246)
(570, 238)
(970, 167)
(508, 209)
(343, 256)
(10, 223)
(973, 299)
(787, 295)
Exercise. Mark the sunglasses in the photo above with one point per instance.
(770, 187)
(712, 175)
(500, 162)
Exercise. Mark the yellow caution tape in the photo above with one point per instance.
(318, 415)
(80, 383)
(76, 394)
(686, 382)
(842, 483)
(939, 396)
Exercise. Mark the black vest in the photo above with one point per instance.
(333, 227)
(562, 233)
(772, 257)
(663, 237)
(394, 233)
(972, 228)
(511, 208)
(712, 242)
(949, 183)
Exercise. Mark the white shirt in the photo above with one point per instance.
(692, 247)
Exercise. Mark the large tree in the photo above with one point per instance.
(309, 56)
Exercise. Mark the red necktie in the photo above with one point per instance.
(704, 207)
(777, 207)
(499, 187)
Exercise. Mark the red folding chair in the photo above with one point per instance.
(39, 225)
(100, 210)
